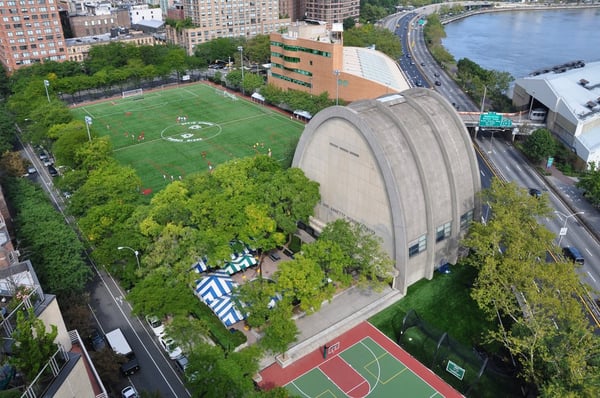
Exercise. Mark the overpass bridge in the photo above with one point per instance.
(520, 123)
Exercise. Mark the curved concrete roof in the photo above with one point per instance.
(403, 165)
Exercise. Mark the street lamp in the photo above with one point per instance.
(88, 123)
(241, 50)
(563, 230)
(46, 84)
(137, 253)
(483, 99)
(337, 86)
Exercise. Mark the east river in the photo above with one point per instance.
(519, 42)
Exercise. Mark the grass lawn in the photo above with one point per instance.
(167, 134)
(445, 304)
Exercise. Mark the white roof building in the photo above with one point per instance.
(571, 94)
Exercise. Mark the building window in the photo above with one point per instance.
(443, 232)
(418, 246)
(466, 219)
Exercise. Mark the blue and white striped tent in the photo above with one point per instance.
(214, 286)
(224, 307)
(201, 265)
(240, 263)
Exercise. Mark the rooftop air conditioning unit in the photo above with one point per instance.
(590, 104)
(583, 82)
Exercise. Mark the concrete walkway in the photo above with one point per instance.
(345, 311)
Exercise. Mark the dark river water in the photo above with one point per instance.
(519, 42)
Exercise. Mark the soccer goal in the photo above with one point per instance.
(133, 93)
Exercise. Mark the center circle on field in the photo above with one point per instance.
(194, 131)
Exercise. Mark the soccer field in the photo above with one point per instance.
(167, 134)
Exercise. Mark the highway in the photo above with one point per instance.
(499, 157)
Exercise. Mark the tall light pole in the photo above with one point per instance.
(241, 50)
(563, 230)
(137, 254)
(483, 99)
(88, 123)
(46, 84)
(337, 86)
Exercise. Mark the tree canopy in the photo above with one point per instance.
(541, 321)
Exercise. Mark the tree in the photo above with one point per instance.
(108, 363)
(33, 344)
(68, 139)
(303, 280)
(257, 295)
(348, 23)
(212, 373)
(367, 259)
(281, 329)
(589, 181)
(188, 332)
(539, 145)
(161, 294)
(542, 323)
(49, 243)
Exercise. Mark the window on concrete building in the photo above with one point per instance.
(466, 219)
(418, 246)
(443, 232)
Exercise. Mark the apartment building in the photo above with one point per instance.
(225, 18)
(30, 33)
(331, 11)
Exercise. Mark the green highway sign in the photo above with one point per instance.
(455, 370)
(490, 119)
(505, 122)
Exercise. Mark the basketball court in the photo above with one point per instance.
(360, 363)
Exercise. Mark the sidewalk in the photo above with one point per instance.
(564, 187)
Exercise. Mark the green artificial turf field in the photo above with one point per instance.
(167, 134)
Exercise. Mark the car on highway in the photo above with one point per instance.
(155, 324)
(170, 346)
(436, 74)
(129, 392)
(422, 63)
(438, 83)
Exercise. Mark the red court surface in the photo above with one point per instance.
(343, 374)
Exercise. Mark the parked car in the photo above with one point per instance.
(535, 192)
(31, 170)
(181, 363)
(97, 340)
(155, 324)
(170, 346)
(129, 392)
(52, 171)
(43, 156)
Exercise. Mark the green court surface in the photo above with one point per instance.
(372, 372)
(167, 134)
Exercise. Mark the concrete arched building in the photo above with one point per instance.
(404, 166)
